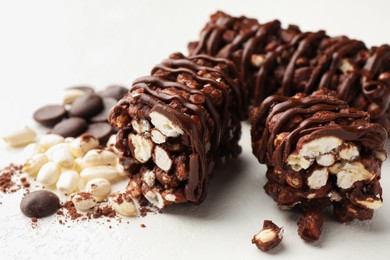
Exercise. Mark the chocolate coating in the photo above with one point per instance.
(71, 127)
(202, 95)
(49, 115)
(315, 116)
(39, 204)
(86, 106)
(286, 61)
(282, 125)
(310, 225)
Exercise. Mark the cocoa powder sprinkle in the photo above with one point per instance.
(9, 178)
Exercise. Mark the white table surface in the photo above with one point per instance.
(46, 46)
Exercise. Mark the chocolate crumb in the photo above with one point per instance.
(143, 225)
(107, 211)
(72, 211)
(144, 211)
(7, 178)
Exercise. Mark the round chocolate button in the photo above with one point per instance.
(114, 91)
(71, 127)
(49, 115)
(101, 131)
(39, 204)
(103, 115)
(86, 106)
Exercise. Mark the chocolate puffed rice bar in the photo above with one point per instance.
(320, 152)
(286, 61)
(177, 124)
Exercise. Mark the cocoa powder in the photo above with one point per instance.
(71, 210)
(10, 179)
(105, 211)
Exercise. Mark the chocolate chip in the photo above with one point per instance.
(86, 89)
(86, 106)
(109, 103)
(49, 115)
(115, 91)
(71, 127)
(39, 204)
(101, 131)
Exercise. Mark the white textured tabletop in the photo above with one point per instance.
(46, 46)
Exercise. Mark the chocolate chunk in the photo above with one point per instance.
(39, 204)
(103, 115)
(49, 115)
(86, 106)
(115, 91)
(310, 225)
(101, 131)
(269, 237)
(71, 127)
(86, 89)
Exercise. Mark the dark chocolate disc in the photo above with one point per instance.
(49, 115)
(40, 204)
(101, 131)
(71, 127)
(86, 106)
(114, 91)
(109, 103)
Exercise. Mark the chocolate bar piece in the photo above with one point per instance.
(177, 124)
(274, 60)
(319, 153)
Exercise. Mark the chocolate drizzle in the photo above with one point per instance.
(281, 127)
(317, 115)
(295, 62)
(185, 90)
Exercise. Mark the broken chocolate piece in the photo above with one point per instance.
(310, 225)
(269, 237)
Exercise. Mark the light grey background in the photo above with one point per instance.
(46, 46)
